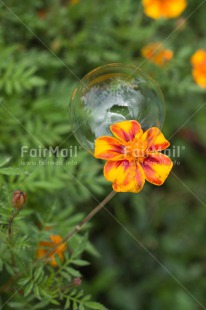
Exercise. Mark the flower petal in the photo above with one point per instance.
(109, 148)
(156, 167)
(156, 53)
(152, 8)
(126, 130)
(126, 176)
(198, 59)
(155, 139)
(199, 75)
(174, 8)
(164, 8)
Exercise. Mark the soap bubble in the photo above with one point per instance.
(111, 94)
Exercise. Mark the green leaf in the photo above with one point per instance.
(45, 293)
(9, 269)
(4, 161)
(1, 264)
(67, 304)
(73, 272)
(80, 262)
(80, 294)
(65, 275)
(36, 291)
(16, 305)
(75, 306)
(40, 305)
(24, 281)
(81, 307)
(73, 292)
(86, 298)
(91, 249)
(28, 289)
(81, 247)
(36, 81)
(94, 305)
(54, 301)
(38, 273)
(58, 260)
(12, 171)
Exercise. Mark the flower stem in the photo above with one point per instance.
(14, 213)
(82, 223)
(12, 217)
(89, 216)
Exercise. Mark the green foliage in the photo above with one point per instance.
(17, 75)
(45, 47)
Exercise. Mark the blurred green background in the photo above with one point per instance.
(148, 251)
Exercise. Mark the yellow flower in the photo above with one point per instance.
(156, 53)
(198, 61)
(164, 8)
(44, 248)
(133, 156)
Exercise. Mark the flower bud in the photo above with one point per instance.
(77, 281)
(181, 24)
(18, 199)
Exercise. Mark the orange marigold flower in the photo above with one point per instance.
(156, 53)
(44, 248)
(133, 156)
(198, 61)
(199, 58)
(164, 8)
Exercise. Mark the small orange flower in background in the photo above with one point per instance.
(133, 156)
(42, 13)
(198, 61)
(45, 246)
(163, 8)
(74, 1)
(156, 53)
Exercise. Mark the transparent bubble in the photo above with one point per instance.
(110, 94)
